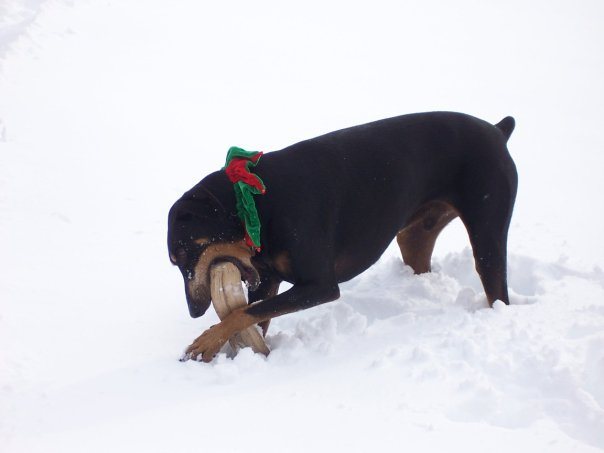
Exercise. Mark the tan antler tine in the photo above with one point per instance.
(227, 295)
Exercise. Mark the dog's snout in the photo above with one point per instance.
(195, 311)
(198, 297)
(197, 307)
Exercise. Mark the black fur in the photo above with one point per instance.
(334, 203)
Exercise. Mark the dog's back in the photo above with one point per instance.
(365, 183)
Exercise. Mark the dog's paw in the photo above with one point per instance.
(206, 346)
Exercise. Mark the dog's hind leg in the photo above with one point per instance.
(418, 238)
(486, 212)
(489, 244)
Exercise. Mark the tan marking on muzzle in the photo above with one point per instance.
(237, 250)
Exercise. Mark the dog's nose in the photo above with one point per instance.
(195, 311)
(198, 308)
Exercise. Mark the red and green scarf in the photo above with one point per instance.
(246, 185)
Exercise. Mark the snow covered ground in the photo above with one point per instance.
(110, 110)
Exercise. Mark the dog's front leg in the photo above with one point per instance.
(298, 297)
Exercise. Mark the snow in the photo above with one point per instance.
(110, 110)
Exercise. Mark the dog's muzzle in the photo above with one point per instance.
(198, 299)
(197, 285)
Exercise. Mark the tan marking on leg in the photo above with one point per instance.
(282, 264)
(209, 343)
(418, 238)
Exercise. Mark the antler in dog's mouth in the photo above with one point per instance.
(227, 295)
(247, 272)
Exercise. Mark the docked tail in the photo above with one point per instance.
(506, 126)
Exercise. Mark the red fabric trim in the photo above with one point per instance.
(249, 242)
(237, 171)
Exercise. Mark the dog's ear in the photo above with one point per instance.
(186, 210)
(185, 217)
(188, 218)
(200, 204)
(201, 216)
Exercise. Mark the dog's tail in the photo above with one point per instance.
(506, 126)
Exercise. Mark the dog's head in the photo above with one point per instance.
(201, 233)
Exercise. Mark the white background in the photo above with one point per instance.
(109, 110)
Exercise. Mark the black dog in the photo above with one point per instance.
(333, 205)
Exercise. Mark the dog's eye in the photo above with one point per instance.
(203, 241)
